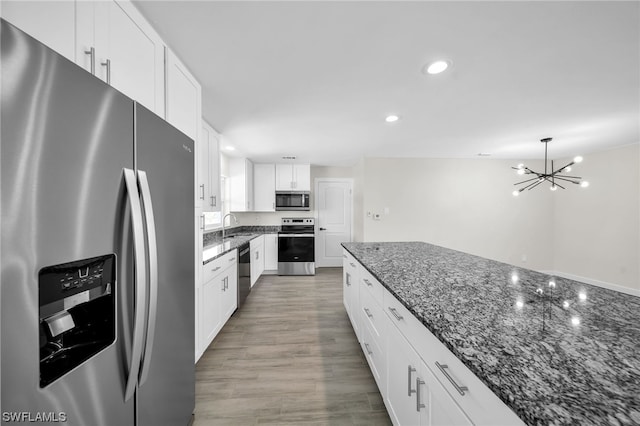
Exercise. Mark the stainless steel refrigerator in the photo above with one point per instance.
(97, 250)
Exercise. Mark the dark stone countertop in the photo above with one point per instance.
(214, 246)
(582, 369)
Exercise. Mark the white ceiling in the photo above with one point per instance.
(316, 79)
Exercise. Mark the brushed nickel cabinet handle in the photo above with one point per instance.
(366, 345)
(92, 55)
(212, 201)
(348, 280)
(107, 64)
(395, 313)
(232, 259)
(367, 282)
(216, 268)
(366, 310)
(352, 264)
(461, 389)
(202, 188)
(419, 405)
(410, 370)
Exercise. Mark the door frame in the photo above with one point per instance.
(316, 199)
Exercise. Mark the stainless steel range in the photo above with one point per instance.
(296, 246)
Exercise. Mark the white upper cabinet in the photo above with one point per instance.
(264, 187)
(110, 39)
(209, 170)
(129, 54)
(184, 108)
(118, 45)
(184, 97)
(293, 177)
(240, 185)
(50, 22)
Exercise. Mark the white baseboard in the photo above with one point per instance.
(604, 284)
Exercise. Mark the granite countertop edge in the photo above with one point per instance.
(507, 392)
(238, 240)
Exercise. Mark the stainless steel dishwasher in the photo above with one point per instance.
(244, 273)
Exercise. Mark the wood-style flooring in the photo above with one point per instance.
(288, 356)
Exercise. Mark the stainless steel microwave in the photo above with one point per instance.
(292, 200)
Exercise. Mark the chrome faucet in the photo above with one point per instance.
(235, 219)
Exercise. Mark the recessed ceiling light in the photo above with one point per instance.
(436, 67)
(229, 148)
(392, 118)
(289, 157)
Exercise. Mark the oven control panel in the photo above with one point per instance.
(299, 221)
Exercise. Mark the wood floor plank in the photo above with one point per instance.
(288, 356)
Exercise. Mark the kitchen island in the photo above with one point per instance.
(555, 351)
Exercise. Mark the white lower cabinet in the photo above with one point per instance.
(257, 258)
(271, 253)
(414, 395)
(218, 297)
(350, 290)
(421, 381)
(402, 374)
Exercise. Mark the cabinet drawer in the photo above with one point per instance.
(369, 284)
(348, 262)
(376, 357)
(216, 266)
(478, 402)
(404, 320)
(372, 315)
(466, 389)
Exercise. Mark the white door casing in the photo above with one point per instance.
(334, 221)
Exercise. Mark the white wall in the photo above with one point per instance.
(463, 204)
(588, 234)
(596, 230)
(358, 201)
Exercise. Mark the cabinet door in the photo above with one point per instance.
(183, 106)
(443, 410)
(210, 310)
(403, 366)
(213, 162)
(129, 53)
(209, 170)
(52, 23)
(202, 165)
(284, 177)
(302, 177)
(184, 99)
(229, 292)
(270, 252)
(351, 291)
(241, 184)
(264, 187)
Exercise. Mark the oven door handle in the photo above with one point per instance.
(296, 235)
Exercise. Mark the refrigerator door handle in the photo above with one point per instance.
(140, 281)
(152, 249)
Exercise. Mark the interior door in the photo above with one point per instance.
(333, 202)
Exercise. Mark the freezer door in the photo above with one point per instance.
(65, 139)
(165, 155)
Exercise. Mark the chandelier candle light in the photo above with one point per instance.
(551, 177)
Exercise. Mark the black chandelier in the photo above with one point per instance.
(555, 177)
